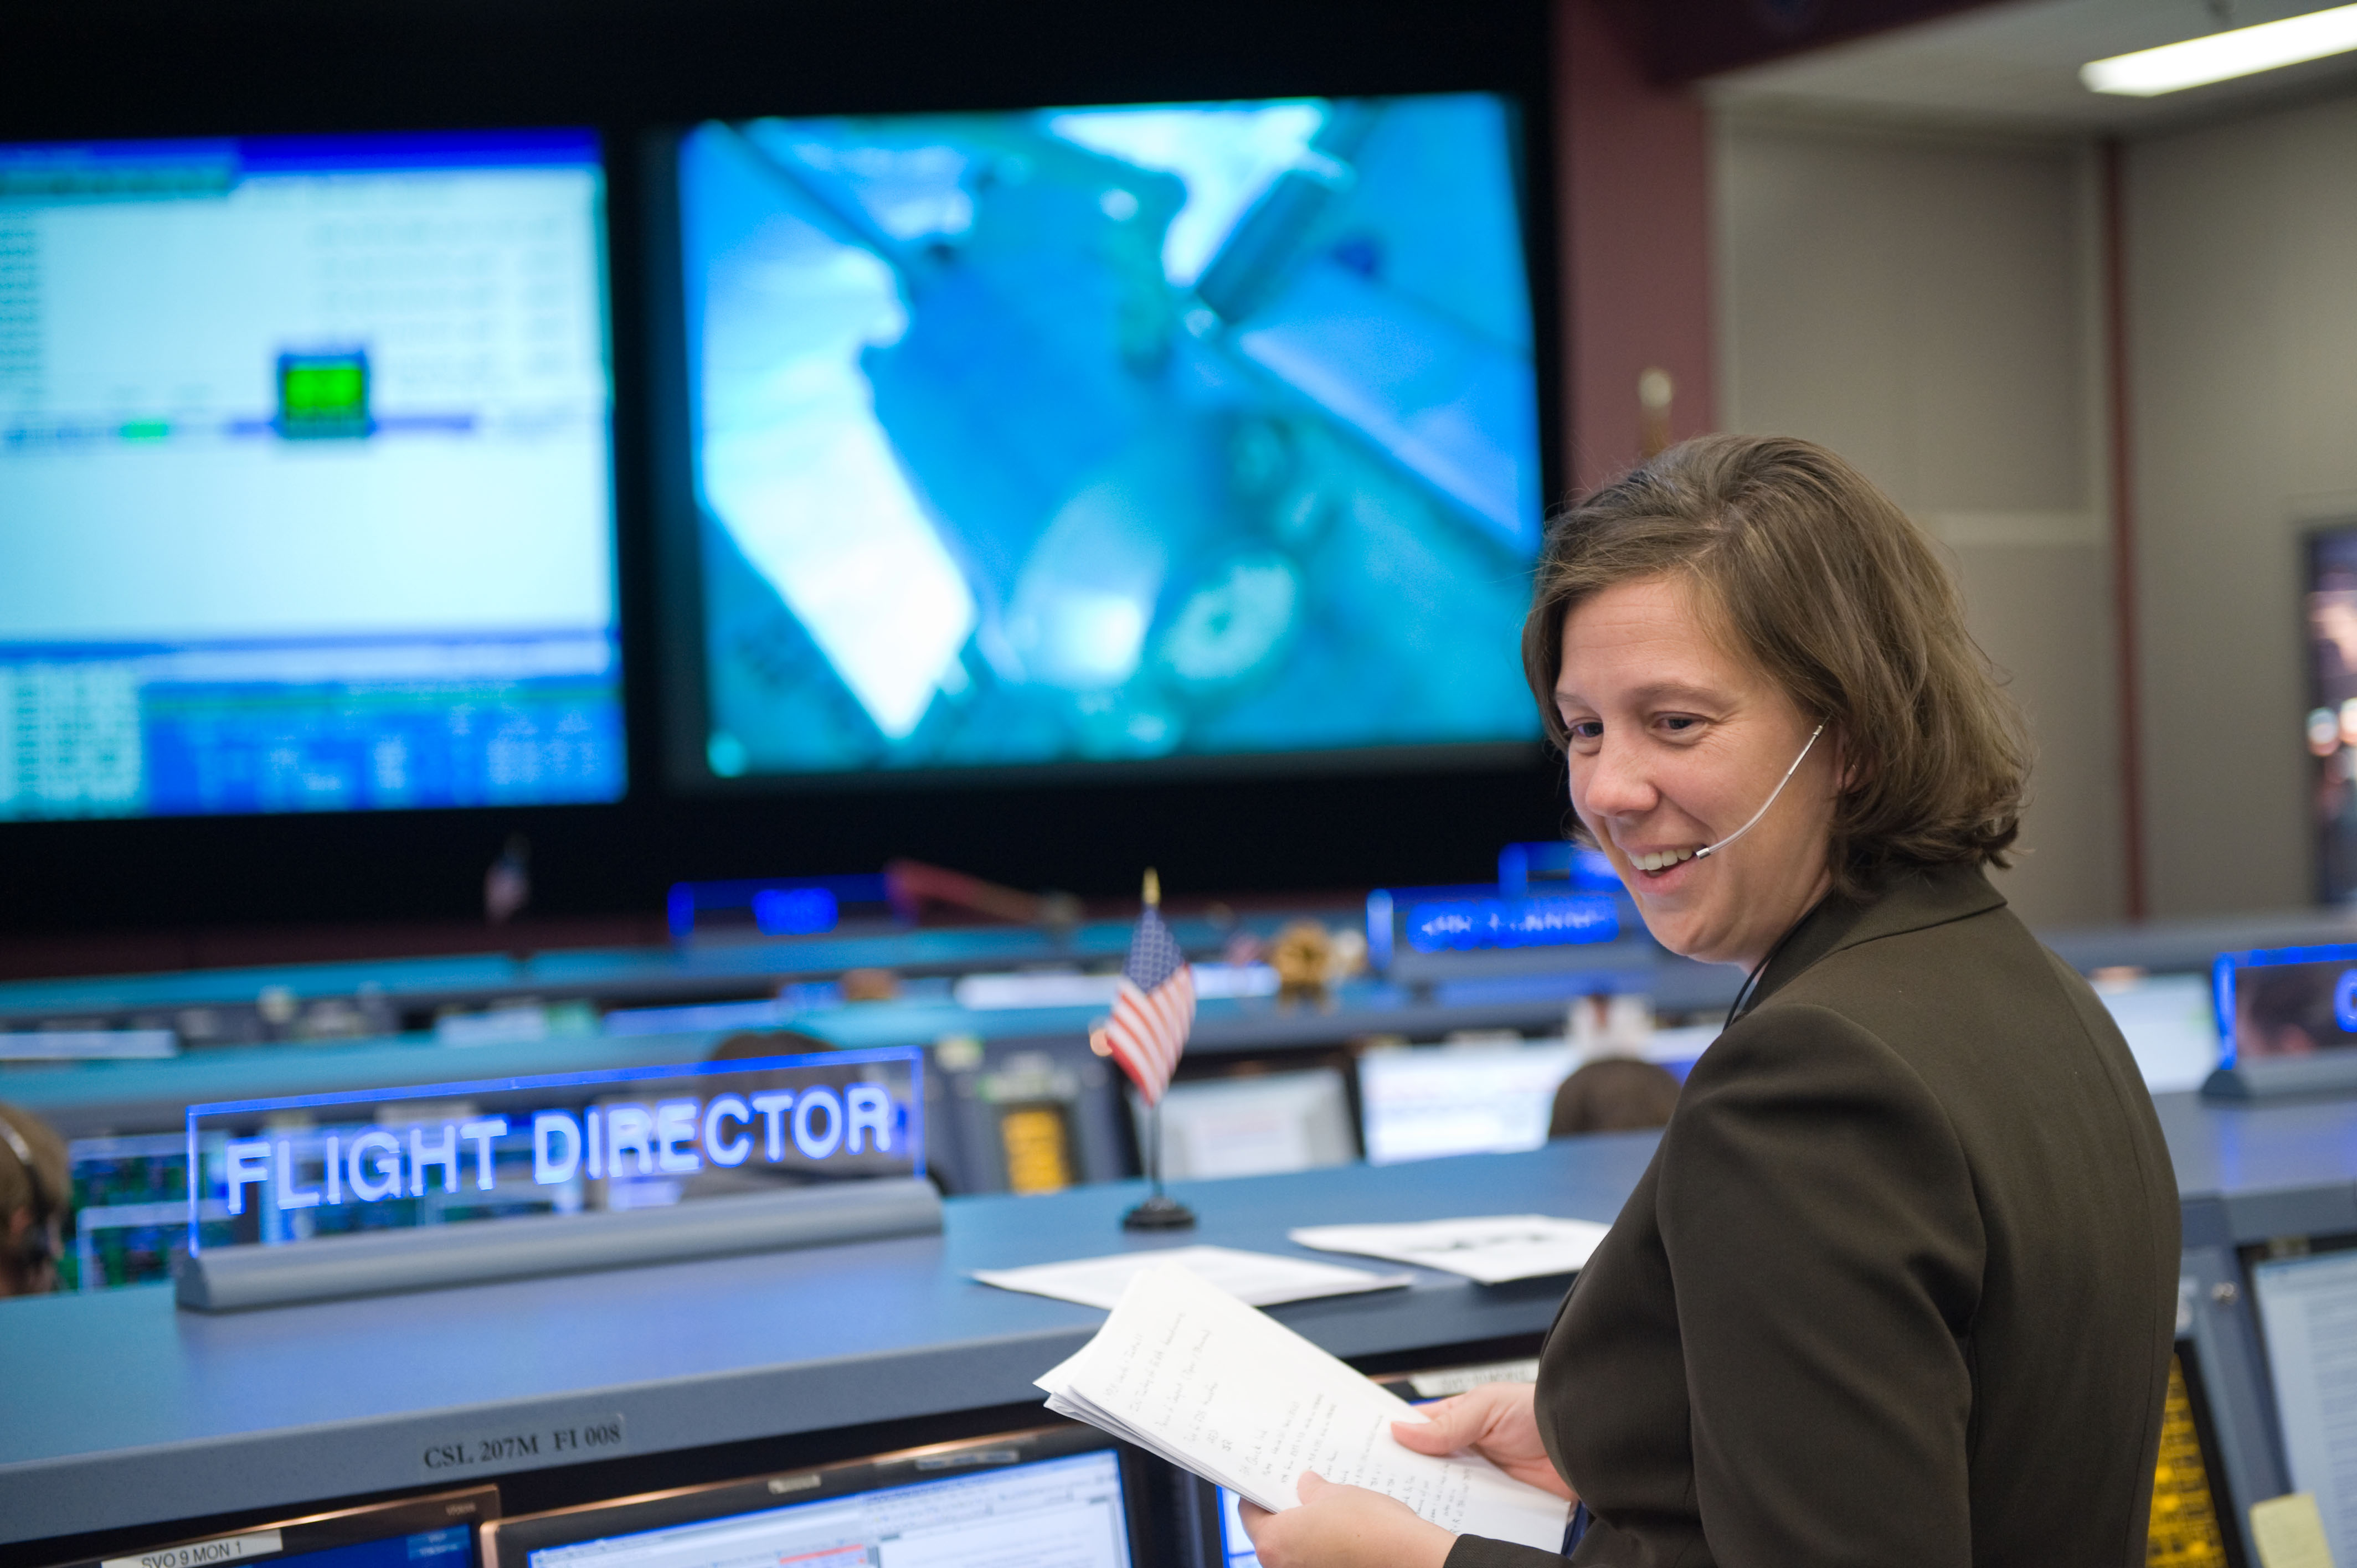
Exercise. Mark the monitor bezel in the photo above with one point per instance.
(1208, 1070)
(681, 537)
(355, 146)
(345, 1527)
(160, 71)
(511, 1542)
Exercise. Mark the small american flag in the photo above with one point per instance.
(1155, 1008)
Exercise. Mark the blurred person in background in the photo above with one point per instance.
(36, 1185)
(1613, 1094)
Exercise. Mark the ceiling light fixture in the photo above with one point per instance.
(2197, 62)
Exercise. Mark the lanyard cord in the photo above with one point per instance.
(1751, 980)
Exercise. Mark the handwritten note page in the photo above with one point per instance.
(1191, 1373)
(1493, 1250)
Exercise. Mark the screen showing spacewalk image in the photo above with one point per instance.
(1116, 433)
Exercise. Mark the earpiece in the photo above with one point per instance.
(1709, 850)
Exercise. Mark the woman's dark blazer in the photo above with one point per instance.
(1900, 1285)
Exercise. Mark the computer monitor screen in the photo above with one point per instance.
(305, 461)
(2170, 1022)
(1256, 1125)
(1236, 1549)
(1425, 1102)
(1121, 433)
(1053, 1498)
(436, 1531)
(2307, 1313)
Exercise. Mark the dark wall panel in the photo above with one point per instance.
(632, 67)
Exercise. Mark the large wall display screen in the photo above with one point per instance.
(1113, 434)
(305, 463)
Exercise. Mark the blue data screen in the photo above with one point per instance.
(1114, 433)
(1236, 1546)
(305, 458)
(448, 1548)
(1050, 1513)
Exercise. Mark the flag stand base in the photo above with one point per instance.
(1159, 1213)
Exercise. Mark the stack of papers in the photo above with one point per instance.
(1264, 1279)
(1493, 1250)
(1187, 1371)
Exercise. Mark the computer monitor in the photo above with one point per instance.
(439, 1530)
(305, 458)
(1421, 1102)
(1140, 434)
(2308, 1310)
(2170, 1022)
(1062, 1496)
(1256, 1123)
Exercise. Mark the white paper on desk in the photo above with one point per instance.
(1264, 1279)
(1188, 1372)
(1492, 1248)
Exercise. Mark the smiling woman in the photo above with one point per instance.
(1799, 584)
(1670, 741)
(1899, 1283)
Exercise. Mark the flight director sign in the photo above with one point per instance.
(290, 1168)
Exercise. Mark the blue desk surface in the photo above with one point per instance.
(121, 1411)
(2251, 1172)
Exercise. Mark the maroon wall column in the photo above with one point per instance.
(1634, 166)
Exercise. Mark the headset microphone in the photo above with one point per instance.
(1709, 850)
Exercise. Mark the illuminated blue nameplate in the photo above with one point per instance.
(1456, 924)
(317, 1165)
(2286, 1003)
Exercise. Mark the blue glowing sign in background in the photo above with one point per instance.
(291, 1168)
(1576, 867)
(2285, 1003)
(778, 906)
(1440, 925)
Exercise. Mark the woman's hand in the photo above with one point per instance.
(1344, 1527)
(1497, 1422)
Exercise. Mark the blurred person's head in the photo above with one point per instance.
(35, 1184)
(1613, 1094)
(752, 1045)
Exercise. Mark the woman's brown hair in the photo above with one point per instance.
(1817, 578)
